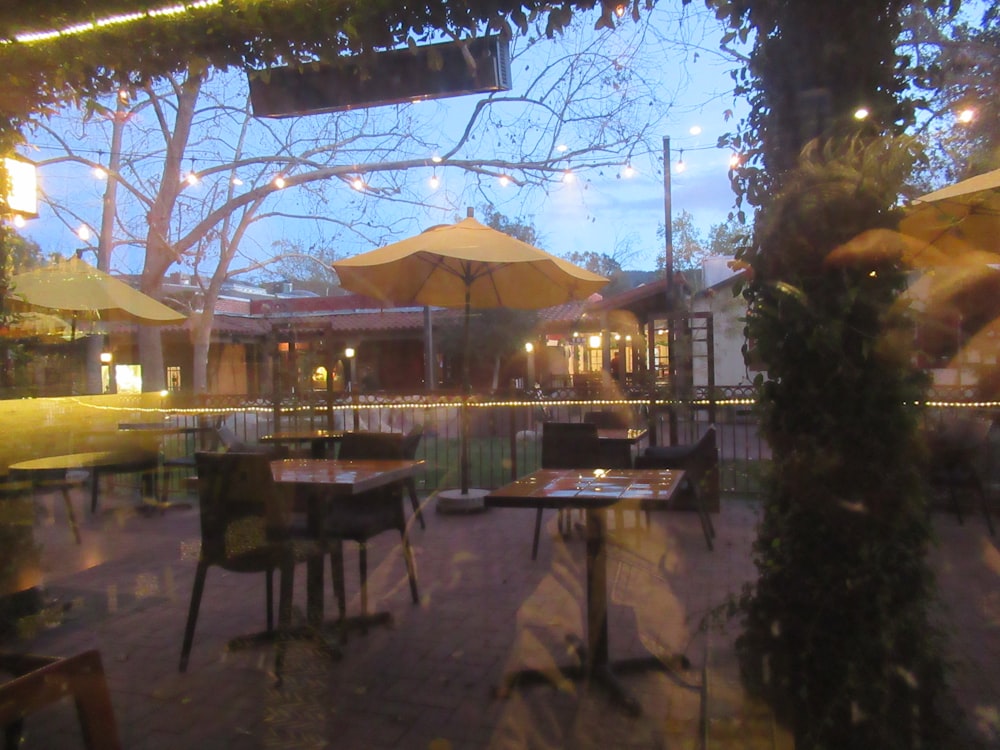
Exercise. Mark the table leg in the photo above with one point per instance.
(596, 668)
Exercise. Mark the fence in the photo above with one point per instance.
(505, 435)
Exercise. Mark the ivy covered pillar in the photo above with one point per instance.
(838, 630)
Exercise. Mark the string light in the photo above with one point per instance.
(681, 166)
(966, 116)
(504, 180)
(84, 233)
(734, 161)
(236, 180)
(436, 159)
(629, 171)
(568, 176)
(695, 130)
(861, 113)
(279, 182)
(434, 182)
(357, 183)
(115, 20)
(562, 148)
(100, 173)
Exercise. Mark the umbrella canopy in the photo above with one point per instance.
(74, 286)
(470, 265)
(466, 264)
(959, 218)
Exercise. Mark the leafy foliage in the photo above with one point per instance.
(837, 630)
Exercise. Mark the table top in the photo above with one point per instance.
(161, 428)
(302, 436)
(587, 488)
(613, 434)
(86, 460)
(350, 476)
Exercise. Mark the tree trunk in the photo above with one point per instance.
(154, 374)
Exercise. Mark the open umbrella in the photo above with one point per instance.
(76, 287)
(959, 218)
(470, 265)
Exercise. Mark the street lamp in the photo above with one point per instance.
(529, 348)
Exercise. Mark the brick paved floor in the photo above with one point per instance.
(428, 681)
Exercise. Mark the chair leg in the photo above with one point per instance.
(269, 596)
(286, 587)
(538, 531)
(196, 592)
(337, 576)
(411, 570)
(411, 487)
(71, 514)
(363, 567)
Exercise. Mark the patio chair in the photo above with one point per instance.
(246, 527)
(953, 448)
(700, 462)
(40, 681)
(566, 445)
(211, 439)
(363, 516)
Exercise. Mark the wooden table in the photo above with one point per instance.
(319, 440)
(326, 480)
(96, 462)
(592, 491)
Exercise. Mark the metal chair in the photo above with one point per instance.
(566, 445)
(953, 448)
(360, 517)
(246, 527)
(700, 462)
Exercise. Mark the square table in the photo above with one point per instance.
(593, 491)
(327, 480)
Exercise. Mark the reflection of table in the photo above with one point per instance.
(591, 491)
(161, 430)
(319, 440)
(326, 480)
(617, 443)
(96, 462)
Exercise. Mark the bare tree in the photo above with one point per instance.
(204, 183)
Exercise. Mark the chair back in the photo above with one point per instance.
(360, 445)
(412, 441)
(608, 420)
(243, 512)
(570, 445)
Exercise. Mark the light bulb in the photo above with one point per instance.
(504, 180)
(568, 176)
(434, 182)
(358, 184)
(628, 172)
(83, 232)
(100, 173)
(279, 182)
(860, 113)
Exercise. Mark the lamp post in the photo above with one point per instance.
(352, 383)
(668, 237)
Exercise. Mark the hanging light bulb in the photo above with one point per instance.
(629, 171)
(504, 180)
(19, 221)
(681, 166)
(734, 161)
(434, 182)
(192, 178)
(83, 232)
(100, 173)
(236, 180)
(568, 176)
(279, 182)
(966, 116)
(357, 183)
(695, 130)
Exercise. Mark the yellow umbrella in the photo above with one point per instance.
(74, 286)
(959, 218)
(470, 265)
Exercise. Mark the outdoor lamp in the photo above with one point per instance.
(349, 352)
(529, 347)
(106, 358)
(595, 342)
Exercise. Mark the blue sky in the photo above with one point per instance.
(602, 214)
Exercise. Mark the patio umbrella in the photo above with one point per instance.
(466, 265)
(76, 287)
(37, 325)
(960, 218)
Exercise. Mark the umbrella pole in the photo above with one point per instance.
(464, 467)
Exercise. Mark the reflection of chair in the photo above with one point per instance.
(953, 448)
(700, 462)
(40, 681)
(245, 528)
(367, 514)
(209, 438)
(566, 445)
(408, 449)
